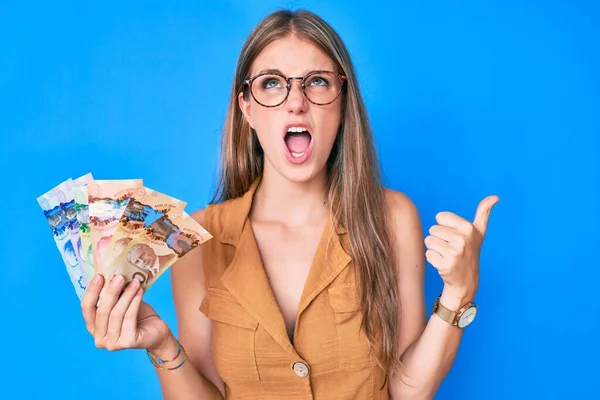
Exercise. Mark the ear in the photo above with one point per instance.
(246, 107)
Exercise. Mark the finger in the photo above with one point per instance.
(443, 232)
(454, 238)
(112, 291)
(129, 329)
(117, 314)
(434, 258)
(451, 220)
(438, 245)
(483, 213)
(89, 300)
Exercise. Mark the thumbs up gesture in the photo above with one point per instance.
(454, 245)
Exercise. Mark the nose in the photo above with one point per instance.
(296, 103)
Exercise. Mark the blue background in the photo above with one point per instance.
(466, 99)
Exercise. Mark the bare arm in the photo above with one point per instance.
(197, 378)
(428, 347)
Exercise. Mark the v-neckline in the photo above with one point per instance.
(317, 250)
(246, 278)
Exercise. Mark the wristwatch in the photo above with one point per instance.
(461, 318)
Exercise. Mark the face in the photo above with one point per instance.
(142, 256)
(297, 156)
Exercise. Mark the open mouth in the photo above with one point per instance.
(297, 140)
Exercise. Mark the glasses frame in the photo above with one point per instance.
(248, 83)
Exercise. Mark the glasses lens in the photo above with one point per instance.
(322, 87)
(269, 90)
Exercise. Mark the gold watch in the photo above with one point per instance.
(461, 318)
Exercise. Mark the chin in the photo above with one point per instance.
(301, 173)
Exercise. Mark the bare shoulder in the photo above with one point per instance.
(199, 215)
(187, 274)
(191, 263)
(187, 280)
(404, 214)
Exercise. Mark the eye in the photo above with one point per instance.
(319, 81)
(270, 83)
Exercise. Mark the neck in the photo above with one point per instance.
(292, 203)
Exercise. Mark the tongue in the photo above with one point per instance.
(297, 142)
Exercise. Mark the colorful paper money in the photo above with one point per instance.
(107, 202)
(55, 215)
(141, 211)
(148, 255)
(83, 218)
(113, 227)
(64, 192)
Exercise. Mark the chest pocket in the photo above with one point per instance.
(233, 337)
(354, 352)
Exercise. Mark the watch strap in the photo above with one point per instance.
(451, 317)
(444, 313)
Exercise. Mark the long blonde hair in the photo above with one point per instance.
(356, 194)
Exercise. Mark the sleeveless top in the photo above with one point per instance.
(329, 359)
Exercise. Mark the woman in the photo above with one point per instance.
(312, 286)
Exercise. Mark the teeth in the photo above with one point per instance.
(297, 155)
(297, 129)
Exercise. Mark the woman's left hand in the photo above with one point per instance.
(454, 245)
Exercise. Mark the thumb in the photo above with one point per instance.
(483, 213)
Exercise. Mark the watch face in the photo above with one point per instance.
(467, 317)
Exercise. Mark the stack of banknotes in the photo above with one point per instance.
(121, 227)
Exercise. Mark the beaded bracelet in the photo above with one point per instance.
(158, 361)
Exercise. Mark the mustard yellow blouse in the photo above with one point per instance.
(329, 358)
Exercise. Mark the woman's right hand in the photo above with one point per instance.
(121, 320)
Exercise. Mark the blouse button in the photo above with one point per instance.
(300, 369)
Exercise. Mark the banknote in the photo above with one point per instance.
(55, 215)
(149, 254)
(107, 202)
(83, 218)
(64, 192)
(141, 211)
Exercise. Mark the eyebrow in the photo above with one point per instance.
(276, 71)
(269, 71)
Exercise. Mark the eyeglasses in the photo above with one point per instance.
(271, 89)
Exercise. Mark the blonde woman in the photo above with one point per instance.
(312, 286)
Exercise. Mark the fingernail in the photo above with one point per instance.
(96, 279)
(117, 280)
(135, 283)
